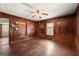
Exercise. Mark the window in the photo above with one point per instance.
(50, 28)
(5, 30)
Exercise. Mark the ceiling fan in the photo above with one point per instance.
(38, 12)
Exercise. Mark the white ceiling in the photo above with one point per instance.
(53, 9)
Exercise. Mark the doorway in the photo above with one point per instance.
(4, 31)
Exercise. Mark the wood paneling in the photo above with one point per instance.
(30, 28)
(77, 21)
(14, 34)
(62, 26)
(0, 30)
(77, 29)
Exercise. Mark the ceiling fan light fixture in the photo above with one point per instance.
(38, 13)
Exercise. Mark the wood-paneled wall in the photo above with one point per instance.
(62, 26)
(0, 30)
(77, 21)
(13, 33)
(30, 28)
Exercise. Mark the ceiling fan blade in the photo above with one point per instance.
(29, 11)
(33, 16)
(40, 17)
(44, 13)
(28, 5)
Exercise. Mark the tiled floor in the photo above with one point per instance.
(39, 47)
